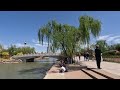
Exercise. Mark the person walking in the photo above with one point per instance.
(87, 56)
(84, 56)
(98, 56)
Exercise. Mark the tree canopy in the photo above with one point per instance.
(103, 45)
(67, 38)
(13, 50)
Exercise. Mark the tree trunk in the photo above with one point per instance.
(48, 46)
(71, 60)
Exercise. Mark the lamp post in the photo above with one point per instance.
(24, 45)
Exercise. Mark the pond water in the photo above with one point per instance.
(26, 70)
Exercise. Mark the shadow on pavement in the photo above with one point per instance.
(75, 67)
(91, 68)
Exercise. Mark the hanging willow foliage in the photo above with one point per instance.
(67, 38)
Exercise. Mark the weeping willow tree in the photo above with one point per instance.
(1, 47)
(59, 37)
(67, 38)
(89, 25)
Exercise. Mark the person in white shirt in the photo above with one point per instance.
(63, 68)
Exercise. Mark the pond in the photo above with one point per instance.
(26, 70)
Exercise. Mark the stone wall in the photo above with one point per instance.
(112, 59)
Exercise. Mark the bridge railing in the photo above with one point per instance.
(46, 54)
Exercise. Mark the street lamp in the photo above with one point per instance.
(24, 45)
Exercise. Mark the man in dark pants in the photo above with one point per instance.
(87, 56)
(98, 56)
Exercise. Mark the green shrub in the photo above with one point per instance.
(112, 53)
(118, 53)
(20, 53)
(5, 55)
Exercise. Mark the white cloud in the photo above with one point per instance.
(5, 46)
(45, 43)
(41, 45)
(110, 39)
(103, 37)
(37, 42)
(19, 45)
(40, 48)
(116, 41)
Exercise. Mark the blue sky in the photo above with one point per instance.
(17, 27)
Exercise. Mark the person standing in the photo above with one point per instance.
(98, 56)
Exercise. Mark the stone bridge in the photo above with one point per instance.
(31, 57)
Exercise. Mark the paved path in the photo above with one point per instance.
(76, 73)
(53, 73)
(111, 67)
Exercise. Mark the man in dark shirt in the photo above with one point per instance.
(84, 56)
(87, 56)
(98, 56)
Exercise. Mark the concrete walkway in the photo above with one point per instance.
(75, 72)
(110, 67)
(53, 73)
